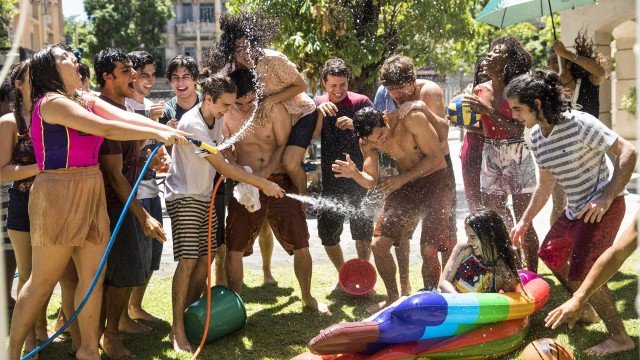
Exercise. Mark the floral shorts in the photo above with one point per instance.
(507, 168)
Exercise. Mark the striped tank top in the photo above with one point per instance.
(60, 147)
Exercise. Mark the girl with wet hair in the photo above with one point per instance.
(487, 262)
(507, 165)
(67, 206)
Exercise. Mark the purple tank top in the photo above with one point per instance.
(59, 147)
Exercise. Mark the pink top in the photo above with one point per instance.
(59, 147)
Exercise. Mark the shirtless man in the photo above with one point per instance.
(400, 93)
(422, 190)
(261, 149)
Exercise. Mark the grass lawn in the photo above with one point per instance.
(278, 328)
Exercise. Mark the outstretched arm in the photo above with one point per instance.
(605, 267)
(596, 71)
(538, 200)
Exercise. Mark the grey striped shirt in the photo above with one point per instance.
(575, 153)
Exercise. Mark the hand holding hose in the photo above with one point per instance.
(175, 137)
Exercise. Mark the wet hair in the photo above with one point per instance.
(5, 90)
(335, 67)
(398, 71)
(105, 62)
(217, 85)
(493, 234)
(365, 120)
(584, 47)
(84, 71)
(140, 59)
(542, 84)
(45, 76)
(245, 81)
(186, 61)
(16, 96)
(258, 28)
(519, 60)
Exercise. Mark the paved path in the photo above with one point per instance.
(281, 258)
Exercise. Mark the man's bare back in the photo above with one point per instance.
(257, 147)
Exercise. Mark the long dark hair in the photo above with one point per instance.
(45, 77)
(256, 27)
(519, 59)
(493, 234)
(583, 46)
(544, 85)
(18, 74)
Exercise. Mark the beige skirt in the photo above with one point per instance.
(67, 207)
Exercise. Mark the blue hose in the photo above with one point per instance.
(103, 262)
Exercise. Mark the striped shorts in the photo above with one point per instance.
(4, 199)
(189, 227)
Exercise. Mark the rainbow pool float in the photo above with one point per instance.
(437, 326)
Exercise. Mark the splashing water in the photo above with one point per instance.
(324, 203)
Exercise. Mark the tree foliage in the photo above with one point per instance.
(128, 24)
(439, 33)
(7, 11)
(85, 37)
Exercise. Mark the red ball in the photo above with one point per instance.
(357, 277)
(546, 349)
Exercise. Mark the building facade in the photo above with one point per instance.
(45, 25)
(194, 29)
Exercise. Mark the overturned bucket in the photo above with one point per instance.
(227, 315)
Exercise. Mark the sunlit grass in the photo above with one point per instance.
(278, 328)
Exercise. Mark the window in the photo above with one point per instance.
(190, 51)
(207, 12)
(187, 14)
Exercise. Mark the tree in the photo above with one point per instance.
(439, 33)
(128, 24)
(7, 10)
(81, 34)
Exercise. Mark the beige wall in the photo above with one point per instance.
(45, 25)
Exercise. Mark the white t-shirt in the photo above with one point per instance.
(191, 175)
(575, 153)
(148, 188)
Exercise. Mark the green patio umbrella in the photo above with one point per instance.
(502, 13)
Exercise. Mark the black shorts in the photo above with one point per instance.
(18, 211)
(129, 259)
(330, 223)
(302, 131)
(154, 208)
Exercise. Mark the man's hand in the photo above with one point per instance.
(272, 189)
(173, 123)
(344, 123)
(156, 110)
(172, 137)
(569, 312)
(159, 162)
(407, 107)
(517, 233)
(151, 227)
(345, 169)
(477, 105)
(390, 184)
(594, 210)
(328, 109)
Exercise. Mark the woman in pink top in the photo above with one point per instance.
(507, 163)
(67, 207)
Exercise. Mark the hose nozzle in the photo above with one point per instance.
(204, 146)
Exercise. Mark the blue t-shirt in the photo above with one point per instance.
(383, 100)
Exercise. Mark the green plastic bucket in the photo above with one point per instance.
(227, 315)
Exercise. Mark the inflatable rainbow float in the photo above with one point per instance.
(437, 326)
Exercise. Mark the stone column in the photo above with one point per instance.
(624, 123)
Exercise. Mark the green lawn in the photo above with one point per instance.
(278, 328)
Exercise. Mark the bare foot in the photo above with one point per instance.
(313, 305)
(130, 326)
(269, 279)
(85, 355)
(30, 344)
(180, 342)
(138, 313)
(372, 309)
(611, 346)
(113, 347)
